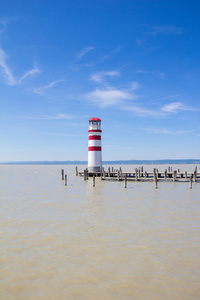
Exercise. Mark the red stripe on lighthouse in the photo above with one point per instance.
(94, 148)
(95, 130)
(94, 137)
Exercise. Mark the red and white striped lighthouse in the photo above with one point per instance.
(94, 146)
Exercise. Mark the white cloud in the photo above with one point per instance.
(7, 73)
(60, 116)
(31, 72)
(166, 131)
(109, 97)
(171, 96)
(155, 29)
(144, 112)
(134, 85)
(173, 107)
(156, 73)
(10, 80)
(41, 90)
(84, 51)
(99, 76)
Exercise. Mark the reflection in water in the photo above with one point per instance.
(102, 242)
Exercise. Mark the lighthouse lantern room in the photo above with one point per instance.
(94, 146)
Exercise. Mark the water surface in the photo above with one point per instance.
(102, 242)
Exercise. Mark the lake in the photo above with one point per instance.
(102, 242)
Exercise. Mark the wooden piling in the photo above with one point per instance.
(125, 181)
(109, 172)
(191, 182)
(65, 179)
(118, 175)
(195, 175)
(93, 180)
(186, 176)
(155, 178)
(85, 175)
(165, 174)
(76, 171)
(174, 177)
(136, 174)
(62, 173)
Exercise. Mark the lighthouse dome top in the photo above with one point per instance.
(94, 119)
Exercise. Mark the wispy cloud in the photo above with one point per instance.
(143, 112)
(84, 51)
(41, 90)
(99, 76)
(109, 97)
(162, 75)
(60, 116)
(165, 29)
(167, 131)
(176, 107)
(9, 78)
(171, 96)
(33, 71)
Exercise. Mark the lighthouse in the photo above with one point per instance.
(94, 145)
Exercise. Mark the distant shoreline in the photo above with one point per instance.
(114, 162)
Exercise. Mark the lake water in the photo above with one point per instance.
(102, 242)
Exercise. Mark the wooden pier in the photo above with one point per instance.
(140, 175)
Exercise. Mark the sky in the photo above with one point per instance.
(135, 64)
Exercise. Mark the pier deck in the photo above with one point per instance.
(140, 175)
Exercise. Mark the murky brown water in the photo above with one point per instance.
(102, 242)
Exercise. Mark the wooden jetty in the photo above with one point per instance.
(138, 174)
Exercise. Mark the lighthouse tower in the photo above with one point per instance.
(94, 146)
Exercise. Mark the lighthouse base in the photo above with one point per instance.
(94, 169)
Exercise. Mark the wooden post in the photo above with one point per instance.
(93, 180)
(139, 173)
(195, 175)
(109, 172)
(142, 172)
(165, 174)
(84, 174)
(125, 181)
(169, 169)
(118, 175)
(174, 177)
(62, 173)
(191, 182)
(155, 177)
(186, 176)
(136, 174)
(76, 171)
(65, 179)
(145, 174)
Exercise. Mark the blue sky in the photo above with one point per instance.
(134, 64)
